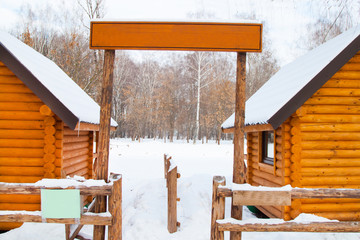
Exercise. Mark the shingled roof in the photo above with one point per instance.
(296, 82)
(51, 84)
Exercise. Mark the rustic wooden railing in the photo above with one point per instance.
(112, 218)
(248, 195)
(171, 175)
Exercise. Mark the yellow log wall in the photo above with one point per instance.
(78, 153)
(22, 132)
(325, 149)
(259, 173)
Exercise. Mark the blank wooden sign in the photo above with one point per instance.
(186, 36)
(262, 198)
(59, 203)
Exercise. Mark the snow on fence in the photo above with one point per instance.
(171, 175)
(112, 218)
(244, 194)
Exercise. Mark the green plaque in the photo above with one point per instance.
(58, 203)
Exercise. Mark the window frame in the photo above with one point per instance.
(264, 158)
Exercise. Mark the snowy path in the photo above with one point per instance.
(145, 200)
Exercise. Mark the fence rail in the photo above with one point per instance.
(242, 195)
(112, 218)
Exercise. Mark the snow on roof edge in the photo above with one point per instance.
(246, 21)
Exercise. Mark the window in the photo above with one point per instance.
(268, 147)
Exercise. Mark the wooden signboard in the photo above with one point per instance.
(186, 36)
(58, 203)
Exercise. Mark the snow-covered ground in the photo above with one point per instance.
(145, 198)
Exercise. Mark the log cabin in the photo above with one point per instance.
(303, 128)
(48, 123)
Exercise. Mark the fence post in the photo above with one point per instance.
(172, 200)
(115, 230)
(218, 208)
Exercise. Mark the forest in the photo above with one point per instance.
(177, 95)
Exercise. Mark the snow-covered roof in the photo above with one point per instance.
(296, 82)
(51, 84)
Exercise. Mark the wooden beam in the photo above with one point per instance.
(101, 168)
(185, 36)
(239, 135)
(90, 127)
(251, 128)
(18, 188)
(291, 227)
(30, 216)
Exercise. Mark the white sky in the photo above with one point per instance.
(285, 20)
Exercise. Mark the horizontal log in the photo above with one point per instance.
(92, 219)
(332, 127)
(19, 97)
(330, 200)
(266, 168)
(19, 179)
(10, 88)
(22, 152)
(341, 216)
(5, 71)
(82, 172)
(330, 136)
(19, 124)
(74, 146)
(19, 206)
(333, 100)
(10, 79)
(20, 106)
(75, 153)
(331, 180)
(332, 109)
(73, 139)
(330, 153)
(347, 75)
(328, 118)
(73, 161)
(69, 132)
(330, 207)
(31, 189)
(326, 162)
(290, 227)
(17, 198)
(341, 92)
(342, 83)
(76, 167)
(276, 181)
(31, 162)
(21, 171)
(21, 143)
(20, 115)
(22, 134)
(338, 171)
(330, 145)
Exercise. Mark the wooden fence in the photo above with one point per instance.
(275, 197)
(171, 175)
(112, 218)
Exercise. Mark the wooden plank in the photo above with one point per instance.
(263, 198)
(172, 203)
(251, 128)
(36, 217)
(291, 227)
(115, 199)
(185, 36)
